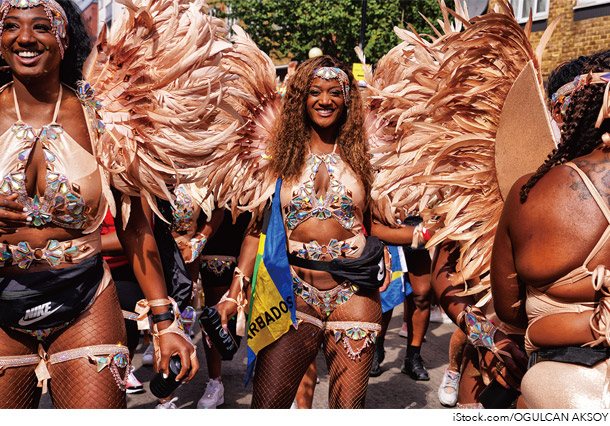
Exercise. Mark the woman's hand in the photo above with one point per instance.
(187, 254)
(508, 371)
(12, 216)
(182, 241)
(173, 344)
(226, 309)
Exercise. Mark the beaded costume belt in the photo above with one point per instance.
(326, 300)
(54, 253)
(218, 265)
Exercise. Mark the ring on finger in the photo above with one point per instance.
(500, 366)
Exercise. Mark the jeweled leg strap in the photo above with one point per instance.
(111, 356)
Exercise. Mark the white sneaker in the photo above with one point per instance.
(133, 384)
(403, 330)
(438, 316)
(448, 390)
(168, 405)
(148, 355)
(213, 396)
(435, 315)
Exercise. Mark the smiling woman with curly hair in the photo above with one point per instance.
(290, 144)
(319, 148)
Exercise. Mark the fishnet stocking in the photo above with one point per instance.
(18, 385)
(349, 378)
(281, 365)
(76, 383)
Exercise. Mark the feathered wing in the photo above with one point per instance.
(436, 154)
(158, 78)
(239, 172)
(405, 80)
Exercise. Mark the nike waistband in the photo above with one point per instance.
(51, 298)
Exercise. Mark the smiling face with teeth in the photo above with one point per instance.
(325, 103)
(29, 45)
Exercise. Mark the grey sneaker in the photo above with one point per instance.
(148, 355)
(213, 396)
(168, 405)
(448, 390)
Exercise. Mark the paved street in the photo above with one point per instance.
(390, 390)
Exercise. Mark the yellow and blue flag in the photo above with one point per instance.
(272, 305)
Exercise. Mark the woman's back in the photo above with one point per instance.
(559, 225)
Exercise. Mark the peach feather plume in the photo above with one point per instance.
(433, 114)
(158, 77)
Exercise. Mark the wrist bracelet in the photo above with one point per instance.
(421, 236)
(165, 316)
(196, 245)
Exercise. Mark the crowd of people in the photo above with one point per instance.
(118, 227)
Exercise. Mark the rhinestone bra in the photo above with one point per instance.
(61, 203)
(337, 203)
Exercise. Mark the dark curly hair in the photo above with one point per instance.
(578, 134)
(71, 67)
(290, 139)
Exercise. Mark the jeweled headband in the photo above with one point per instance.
(563, 96)
(332, 73)
(55, 13)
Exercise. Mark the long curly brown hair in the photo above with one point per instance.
(289, 143)
(578, 135)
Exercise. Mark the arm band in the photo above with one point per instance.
(165, 316)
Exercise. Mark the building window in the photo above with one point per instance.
(539, 8)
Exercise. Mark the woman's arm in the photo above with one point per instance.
(247, 260)
(400, 235)
(507, 290)
(455, 305)
(403, 234)
(444, 261)
(191, 249)
(140, 247)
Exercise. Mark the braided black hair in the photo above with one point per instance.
(578, 135)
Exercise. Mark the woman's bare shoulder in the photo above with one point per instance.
(73, 119)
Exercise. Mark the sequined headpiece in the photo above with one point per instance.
(332, 73)
(55, 13)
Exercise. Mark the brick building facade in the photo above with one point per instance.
(584, 28)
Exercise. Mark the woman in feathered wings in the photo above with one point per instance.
(318, 147)
(549, 266)
(62, 150)
(441, 100)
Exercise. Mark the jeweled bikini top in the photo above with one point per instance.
(73, 196)
(343, 201)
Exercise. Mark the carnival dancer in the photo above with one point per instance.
(210, 244)
(217, 262)
(319, 148)
(549, 268)
(59, 314)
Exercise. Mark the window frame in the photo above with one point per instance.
(581, 4)
(539, 16)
